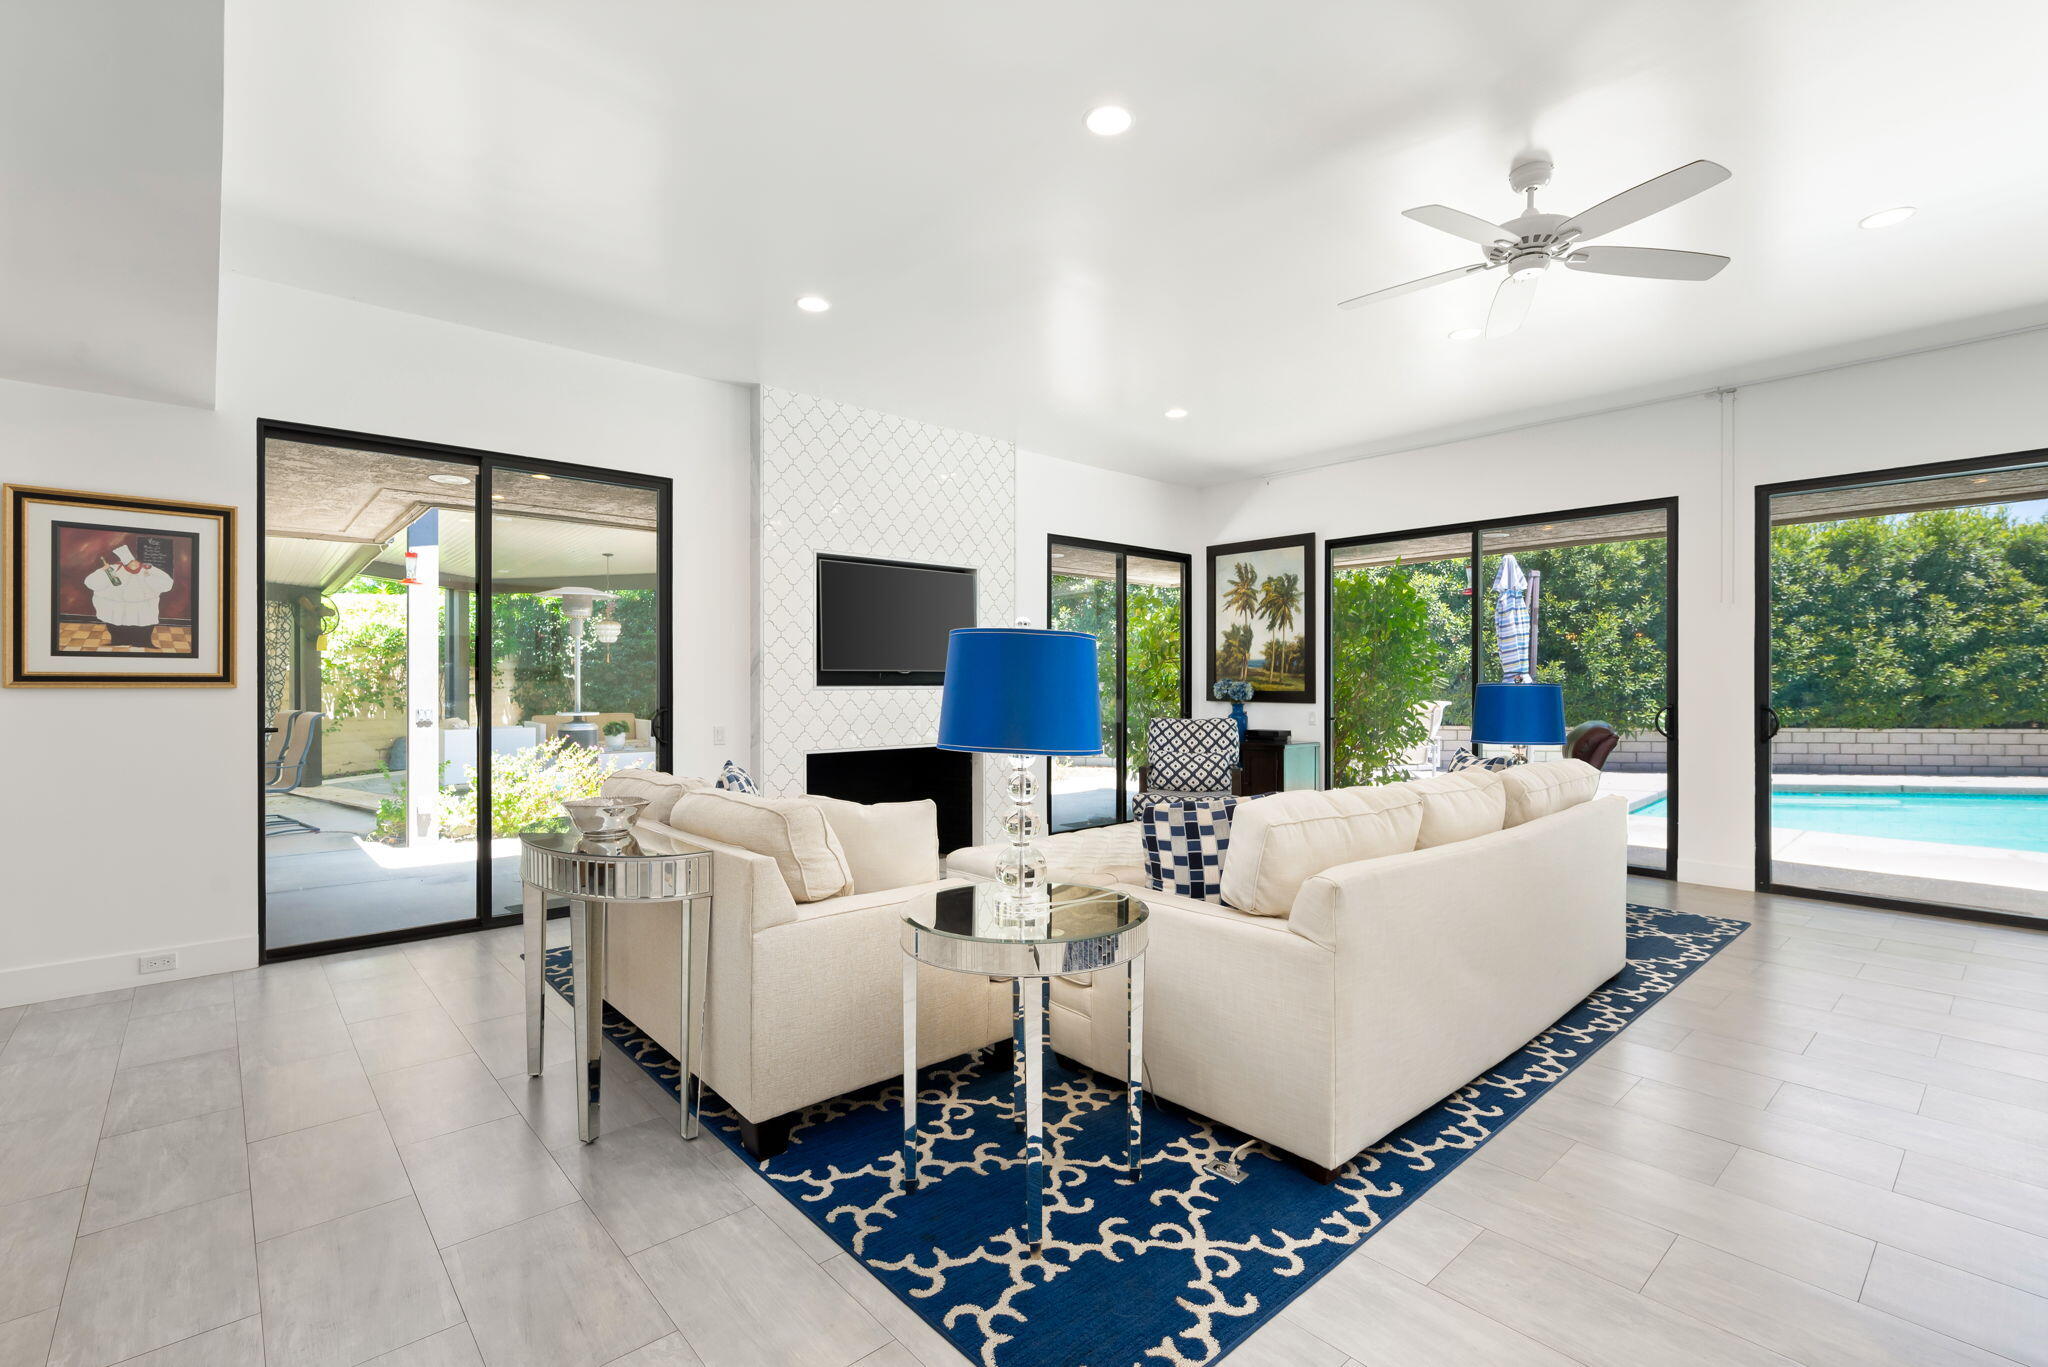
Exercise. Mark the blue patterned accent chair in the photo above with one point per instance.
(1189, 757)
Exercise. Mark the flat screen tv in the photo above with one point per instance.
(883, 623)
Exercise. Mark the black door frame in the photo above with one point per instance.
(1123, 554)
(486, 464)
(1765, 718)
(1476, 532)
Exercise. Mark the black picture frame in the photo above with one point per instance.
(1267, 559)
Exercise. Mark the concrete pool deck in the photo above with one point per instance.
(1919, 870)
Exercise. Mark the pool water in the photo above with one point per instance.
(2006, 821)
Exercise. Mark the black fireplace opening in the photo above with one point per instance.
(903, 774)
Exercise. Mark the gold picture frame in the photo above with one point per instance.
(112, 591)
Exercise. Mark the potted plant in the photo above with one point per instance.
(1236, 692)
(615, 735)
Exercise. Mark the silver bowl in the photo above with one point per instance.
(603, 815)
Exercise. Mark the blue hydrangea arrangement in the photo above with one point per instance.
(1232, 690)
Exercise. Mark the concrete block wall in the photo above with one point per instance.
(2014, 752)
(2011, 752)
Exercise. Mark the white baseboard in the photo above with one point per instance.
(76, 977)
(1741, 877)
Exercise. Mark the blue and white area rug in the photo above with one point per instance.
(1171, 1273)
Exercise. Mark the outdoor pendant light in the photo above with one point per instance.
(607, 629)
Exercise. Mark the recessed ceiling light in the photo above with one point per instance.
(1176, 414)
(1887, 218)
(449, 479)
(1981, 479)
(1462, 334)
(813, 303)
(537, 475)
(1059, 555)
(1108, 120)
(497, 498)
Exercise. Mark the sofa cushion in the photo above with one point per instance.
(1279, 842)
(887, 844)
(1535, 790)
(734, 778)
(1185, 843)
(1459, 806)
(657, 789)
(792, 831)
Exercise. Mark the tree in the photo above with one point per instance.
(1386, 667)
(1242, 598)
(1279, 600)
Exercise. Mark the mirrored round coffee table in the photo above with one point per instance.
(1082, 930)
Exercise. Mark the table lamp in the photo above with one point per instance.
(1519, 714)
(1024, 693)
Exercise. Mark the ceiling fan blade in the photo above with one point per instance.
(1396, 291)
(1459, 224)
(1671, 188)
(1651, 263)
(1511, 304)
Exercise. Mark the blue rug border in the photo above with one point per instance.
(719, 1119)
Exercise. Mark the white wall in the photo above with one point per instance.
(157, 788)
(1984, 398)
(1059, 498)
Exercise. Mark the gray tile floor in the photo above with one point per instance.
(1830, 1147)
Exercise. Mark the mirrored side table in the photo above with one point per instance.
(594, 874)
(1086, 930)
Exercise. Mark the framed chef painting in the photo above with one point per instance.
(113, 592)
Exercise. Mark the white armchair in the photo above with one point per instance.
(804, 999)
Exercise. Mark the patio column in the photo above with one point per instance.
(423, 678)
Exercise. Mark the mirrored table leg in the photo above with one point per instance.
(692, 1019)
(534, 916)
(1134, 1053)
(1034, 1112)
(1017, 1051)
(586, 949)
(909, 1073)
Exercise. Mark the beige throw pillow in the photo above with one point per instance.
(659, 790)
(1537, 790)
(1459, 806)
(887, 844)
(790, 830)
(1279, 842)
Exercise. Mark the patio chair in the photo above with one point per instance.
(1420, 760)
(286, 747)
(1185, 753)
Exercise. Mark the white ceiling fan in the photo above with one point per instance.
(1528, 245)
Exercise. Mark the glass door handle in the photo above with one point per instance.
(657, 726)
(1768, 725)
(1663, 723)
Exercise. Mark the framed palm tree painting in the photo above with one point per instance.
(1262, 617)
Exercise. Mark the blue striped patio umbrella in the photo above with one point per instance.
(1511, 620)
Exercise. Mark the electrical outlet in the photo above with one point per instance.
(156, 963)
(718, 735)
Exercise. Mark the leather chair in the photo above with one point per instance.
(1592, 742)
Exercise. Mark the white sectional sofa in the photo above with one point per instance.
(1385, 946)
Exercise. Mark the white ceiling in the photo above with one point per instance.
(657, 180)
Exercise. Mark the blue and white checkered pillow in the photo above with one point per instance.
(1185, 841)
(734, 779)
(1465, 759)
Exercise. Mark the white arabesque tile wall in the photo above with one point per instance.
(845, 480)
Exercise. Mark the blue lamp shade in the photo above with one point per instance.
(1018, 691)
(1518, 714)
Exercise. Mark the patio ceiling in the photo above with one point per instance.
(1087, 562)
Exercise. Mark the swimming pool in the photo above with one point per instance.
(2006, 821)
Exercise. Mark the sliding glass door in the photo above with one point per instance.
(1584, 599)
(1134, 602)
(1902, 687)
(421, 668)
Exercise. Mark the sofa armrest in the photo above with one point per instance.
(740, 879)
